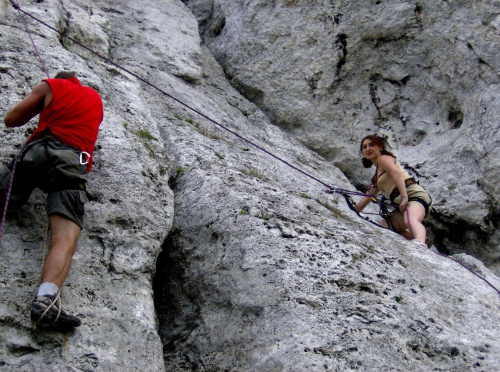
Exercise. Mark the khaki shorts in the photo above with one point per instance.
(415, 191)
(55, 168)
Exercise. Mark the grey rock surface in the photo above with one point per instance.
(423, 74)
(201, 252)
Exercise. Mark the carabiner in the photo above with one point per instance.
(86, 160)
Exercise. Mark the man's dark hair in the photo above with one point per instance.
(65, 75)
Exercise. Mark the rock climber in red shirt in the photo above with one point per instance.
(56, 159)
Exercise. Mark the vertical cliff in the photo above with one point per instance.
(201, 252)
(419, 73)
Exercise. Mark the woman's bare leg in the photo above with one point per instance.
(416, 214)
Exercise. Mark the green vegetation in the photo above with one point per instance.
(208, 134)
(253, 172)
(203, 131)
(265, 216)
(148, 147)
(180, 170)
(144, 134)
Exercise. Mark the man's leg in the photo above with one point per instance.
(61, 171)
(47, 306)
(65, 235)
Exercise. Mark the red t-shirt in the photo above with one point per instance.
(73, 115)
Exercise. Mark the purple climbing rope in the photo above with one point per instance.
(18, 8)
(7, 196)
(470, 270)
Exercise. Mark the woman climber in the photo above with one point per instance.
(391, 179)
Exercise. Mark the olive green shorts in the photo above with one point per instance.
(55, 168)
(416, 196)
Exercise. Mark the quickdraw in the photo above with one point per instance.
(383, 203)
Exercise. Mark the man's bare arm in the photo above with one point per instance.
(30, 106)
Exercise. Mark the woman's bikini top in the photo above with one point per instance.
(385, 182)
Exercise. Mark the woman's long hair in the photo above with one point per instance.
(368, 163)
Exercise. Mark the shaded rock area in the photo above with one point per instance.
(422, 74)
(202, 253)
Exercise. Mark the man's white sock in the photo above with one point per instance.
(47, 288)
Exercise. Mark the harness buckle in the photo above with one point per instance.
(84, 161)
(379, 199)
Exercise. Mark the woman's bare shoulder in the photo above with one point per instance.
(386, 162)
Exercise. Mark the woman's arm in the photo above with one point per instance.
(388, 164)
(365, 200)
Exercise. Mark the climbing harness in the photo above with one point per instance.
(347, 194)
(395, 193)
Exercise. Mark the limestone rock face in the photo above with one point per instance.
(423, 74)
(200, 251)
